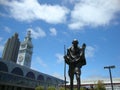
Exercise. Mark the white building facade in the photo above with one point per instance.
(106, 82)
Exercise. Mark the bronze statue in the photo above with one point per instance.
(75, 58)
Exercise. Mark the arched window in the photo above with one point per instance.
(30, 75)
(3, 67)
(49, 80)
(17, 71)
(40, 77)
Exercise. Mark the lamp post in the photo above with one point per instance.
(110, 67)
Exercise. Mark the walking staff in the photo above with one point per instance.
(65, 67)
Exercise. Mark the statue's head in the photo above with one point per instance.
(75, 42)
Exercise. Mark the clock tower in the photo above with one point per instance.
(25, 51)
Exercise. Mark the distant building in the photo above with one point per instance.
(25, 51)
(11, 49)
(106, 82)
(88, 83)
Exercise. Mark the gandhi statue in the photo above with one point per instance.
(75, 58)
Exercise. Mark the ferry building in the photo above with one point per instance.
(15, 63)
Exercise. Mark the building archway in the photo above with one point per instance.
(17, 71)
(49, 81)
(30, 75)
(40, 77)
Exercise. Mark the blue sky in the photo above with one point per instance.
(55, 23)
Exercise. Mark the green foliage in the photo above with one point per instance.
(61, 88)
(100, 86)
(82, 88)
(39, 88)
(51, 88)
(74, 88)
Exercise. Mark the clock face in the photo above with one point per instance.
(20, 59)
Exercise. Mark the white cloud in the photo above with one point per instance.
(40, 62)
(59, 58)
(7, 29)
(29, 10)
(37, 32)
(90, 51)
(58, 75)
(53, 32)
(94, 13)
(55, 74)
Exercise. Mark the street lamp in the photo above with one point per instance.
(110, 67)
